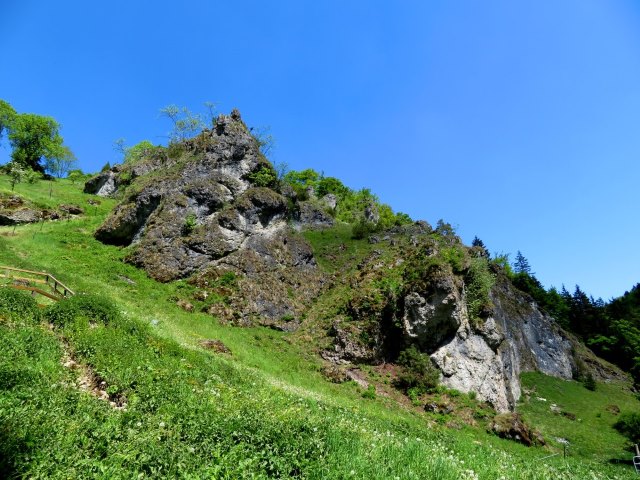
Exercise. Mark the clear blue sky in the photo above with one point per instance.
(515, 121)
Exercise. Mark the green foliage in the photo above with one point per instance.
(90, 308)
(456, 257)
(480, 247)
(77, 176)
(419, 374)
(370, 392)
(106, 167)
(362, 229)
(265, 176)
(628, 424)
(403, 219)
(190, 223)
(589, 382)
(34, 138)
(139, 151)
(31, 177)
(327, 185)
(60, 162)
(18, 306)
(17, 173)
(227, 279)
(479, 281)
(305, 178)
(264, 139)
(501, 260)
(521, 265)
(7, 115)
(446, 232)
(414, 395)
(185, 123)
(351, 205)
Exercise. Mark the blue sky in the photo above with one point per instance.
(514, 121)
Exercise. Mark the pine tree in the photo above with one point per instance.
(521, 265)
(479, 244)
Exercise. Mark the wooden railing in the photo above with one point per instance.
(34, 282)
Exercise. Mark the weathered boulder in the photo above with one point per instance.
(71, 209)
(16, 217)
(311, 214)
(216, 345)
(512, 427)
(371, 213)
(10, 202)
(346, 347)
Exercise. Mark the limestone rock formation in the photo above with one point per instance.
(196, 208)
(104, 184)
(489, 358)
(428, 308)
(309, 213)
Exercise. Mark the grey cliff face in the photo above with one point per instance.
(489, 358)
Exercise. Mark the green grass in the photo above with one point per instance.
(264, 411)
(335, 249)
(591, 434)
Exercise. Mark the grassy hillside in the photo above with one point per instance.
(567, 410)
(262, 411)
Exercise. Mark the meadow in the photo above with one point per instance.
(173, 409)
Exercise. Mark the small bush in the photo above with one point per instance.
(419, 374)
(629, 425)
(190, 223)
(264, 177)
(589, 382)
(414, 396)
(370, 392)
(479, 282)
(93, 308)
(16, 305)
(362, 229)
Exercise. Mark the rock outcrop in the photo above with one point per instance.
(488, 358)
(104, 184)
(202, 206)
(187, 211)
(411, 296)
(14, 210)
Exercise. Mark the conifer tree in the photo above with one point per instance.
(521, 265)
(481, 246)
